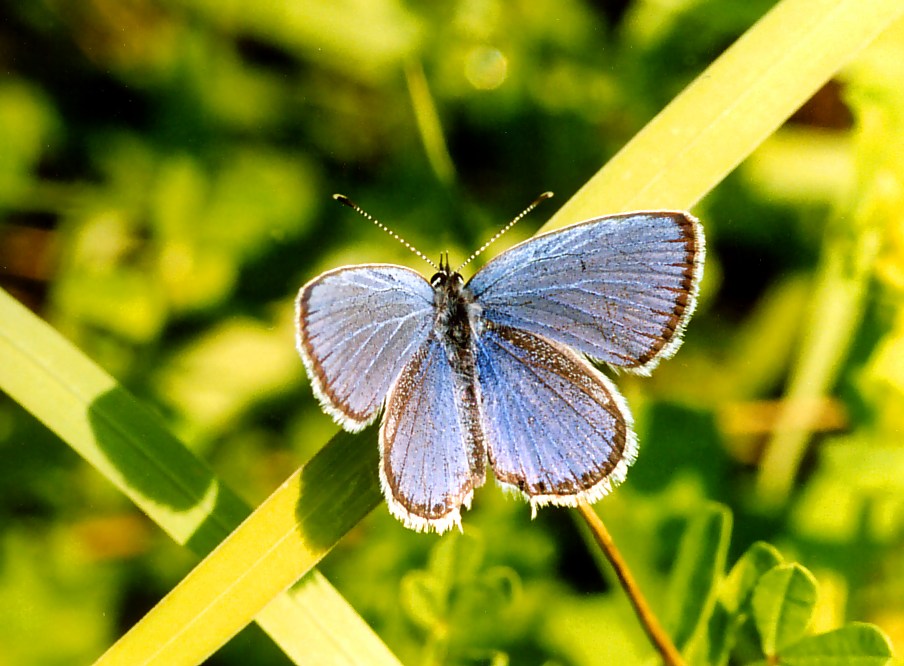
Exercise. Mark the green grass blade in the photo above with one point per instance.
(130, 446)
(841, 290)
(718, 120)
(428, 123)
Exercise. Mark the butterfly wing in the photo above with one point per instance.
(556, 429)
(357, 328)
(619, 288)
(432, 454)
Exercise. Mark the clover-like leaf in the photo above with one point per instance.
(856, 644)
(783, 603)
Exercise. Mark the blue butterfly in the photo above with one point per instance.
(496, 369)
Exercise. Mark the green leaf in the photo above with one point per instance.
(840, 299)
(783, 603)
(455, 559)
(428, 596)
(421, 599)
(700, 563)
(455, 593)
(502, 584)
(735, 591)
(732, 605)
(28, 127)
(856, 644)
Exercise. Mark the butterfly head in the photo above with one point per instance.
(445, 279)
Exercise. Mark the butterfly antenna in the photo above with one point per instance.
(341, 198)
(536, 202)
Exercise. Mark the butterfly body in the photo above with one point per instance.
(496, 369)
(456, 312)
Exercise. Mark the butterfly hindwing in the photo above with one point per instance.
(357, 328)
(556, 429)
(618, 288)
(432, 454)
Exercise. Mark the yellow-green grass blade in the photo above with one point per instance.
(130, 446)
(290, 532)
(841, 289)
(685, 151)
(428, 123)
(718, 120)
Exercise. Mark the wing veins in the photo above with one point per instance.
(552, 390)
(545, 383)
(372, 330)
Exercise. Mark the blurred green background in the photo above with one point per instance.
(165, 178)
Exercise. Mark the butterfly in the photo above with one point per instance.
(498, 369)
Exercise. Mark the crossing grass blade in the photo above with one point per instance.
(291, 531)
(129, 444)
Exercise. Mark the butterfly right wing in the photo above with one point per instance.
(357, 327)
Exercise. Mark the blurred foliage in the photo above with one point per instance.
(165, 172)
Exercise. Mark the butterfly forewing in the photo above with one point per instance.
(556, 429)
(618, 288)
(357, 328)
(431, 443)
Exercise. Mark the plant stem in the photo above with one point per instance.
(660, 640)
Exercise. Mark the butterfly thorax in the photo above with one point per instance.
(452, 303)
(455, 320)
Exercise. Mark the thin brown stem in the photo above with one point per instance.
(660, 639)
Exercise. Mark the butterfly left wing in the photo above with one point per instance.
(556, 429)
(618, 288)
(432, 453)
(357, 328)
